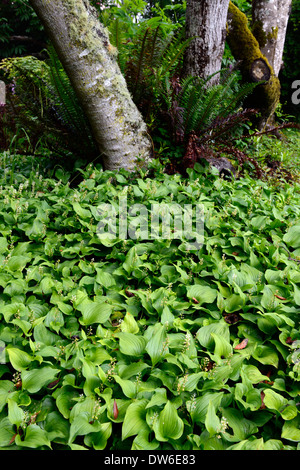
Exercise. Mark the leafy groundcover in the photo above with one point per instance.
(141, 344)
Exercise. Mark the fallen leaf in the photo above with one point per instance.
(279, 297)
(242, 345)
(52, 384)
(262, 396)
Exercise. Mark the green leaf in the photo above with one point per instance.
(158, 398)
(81, 426)
(266, 355)
(156, 347)
(189, 382)
(141, 441)
(212, 422)
(134, 421)
(274, 400)
(259, 222)
(95, 312)
(6, 387)
(98, 440)
(129, 325)
(253, 374)
(242, 427)
(198, 408)
(223, 348)
(7, 432)
(17, 263)
(291, 429)
(233, 303)
(83, 213)
(128, 387)
(35, 379)
(131, 345)
(204, 334)
(15, 414)
(19, 359)
(105, 279)
(292, 236)
(34, 437)
(168, 425)
(289, 412)
(65, 397)
(56, 427)
(132, 260)
(296, 295)
(203, 294)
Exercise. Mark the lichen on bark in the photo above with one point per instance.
(83, 46)
(246, 48)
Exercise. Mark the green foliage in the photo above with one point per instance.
(21, 31)
(201, 105)
(149, 53)
(270, 150)
(43, 101)
(140, 344)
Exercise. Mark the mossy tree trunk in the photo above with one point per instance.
(206, 23)
(83, 47)
(269, 24)
(245, 48)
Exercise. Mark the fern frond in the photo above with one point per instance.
(203, 105)
(69, 110)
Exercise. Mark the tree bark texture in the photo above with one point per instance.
(89, 59)
(245, 48)
(269, 24)
(206, 23)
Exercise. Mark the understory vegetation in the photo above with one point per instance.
(147, 343)
(139, 344)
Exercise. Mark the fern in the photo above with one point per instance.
(200, 107)
(46, 105)
(69, 109)
(151, 60)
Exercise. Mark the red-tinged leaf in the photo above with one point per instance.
(129, 294)
(262, 396)
(289, 340)
(195, 300)
(279, 297)
(52, 384)
(12, 439)
(268, 374)
(242, 345)
(116, 411)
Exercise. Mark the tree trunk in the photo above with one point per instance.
(245, 48)
(206, 23)
(83, 47)
(269, 24)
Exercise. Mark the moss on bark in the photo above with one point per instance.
(246, 48)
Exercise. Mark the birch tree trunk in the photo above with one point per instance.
(89, 59)
(269, 24)
(206, 22)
